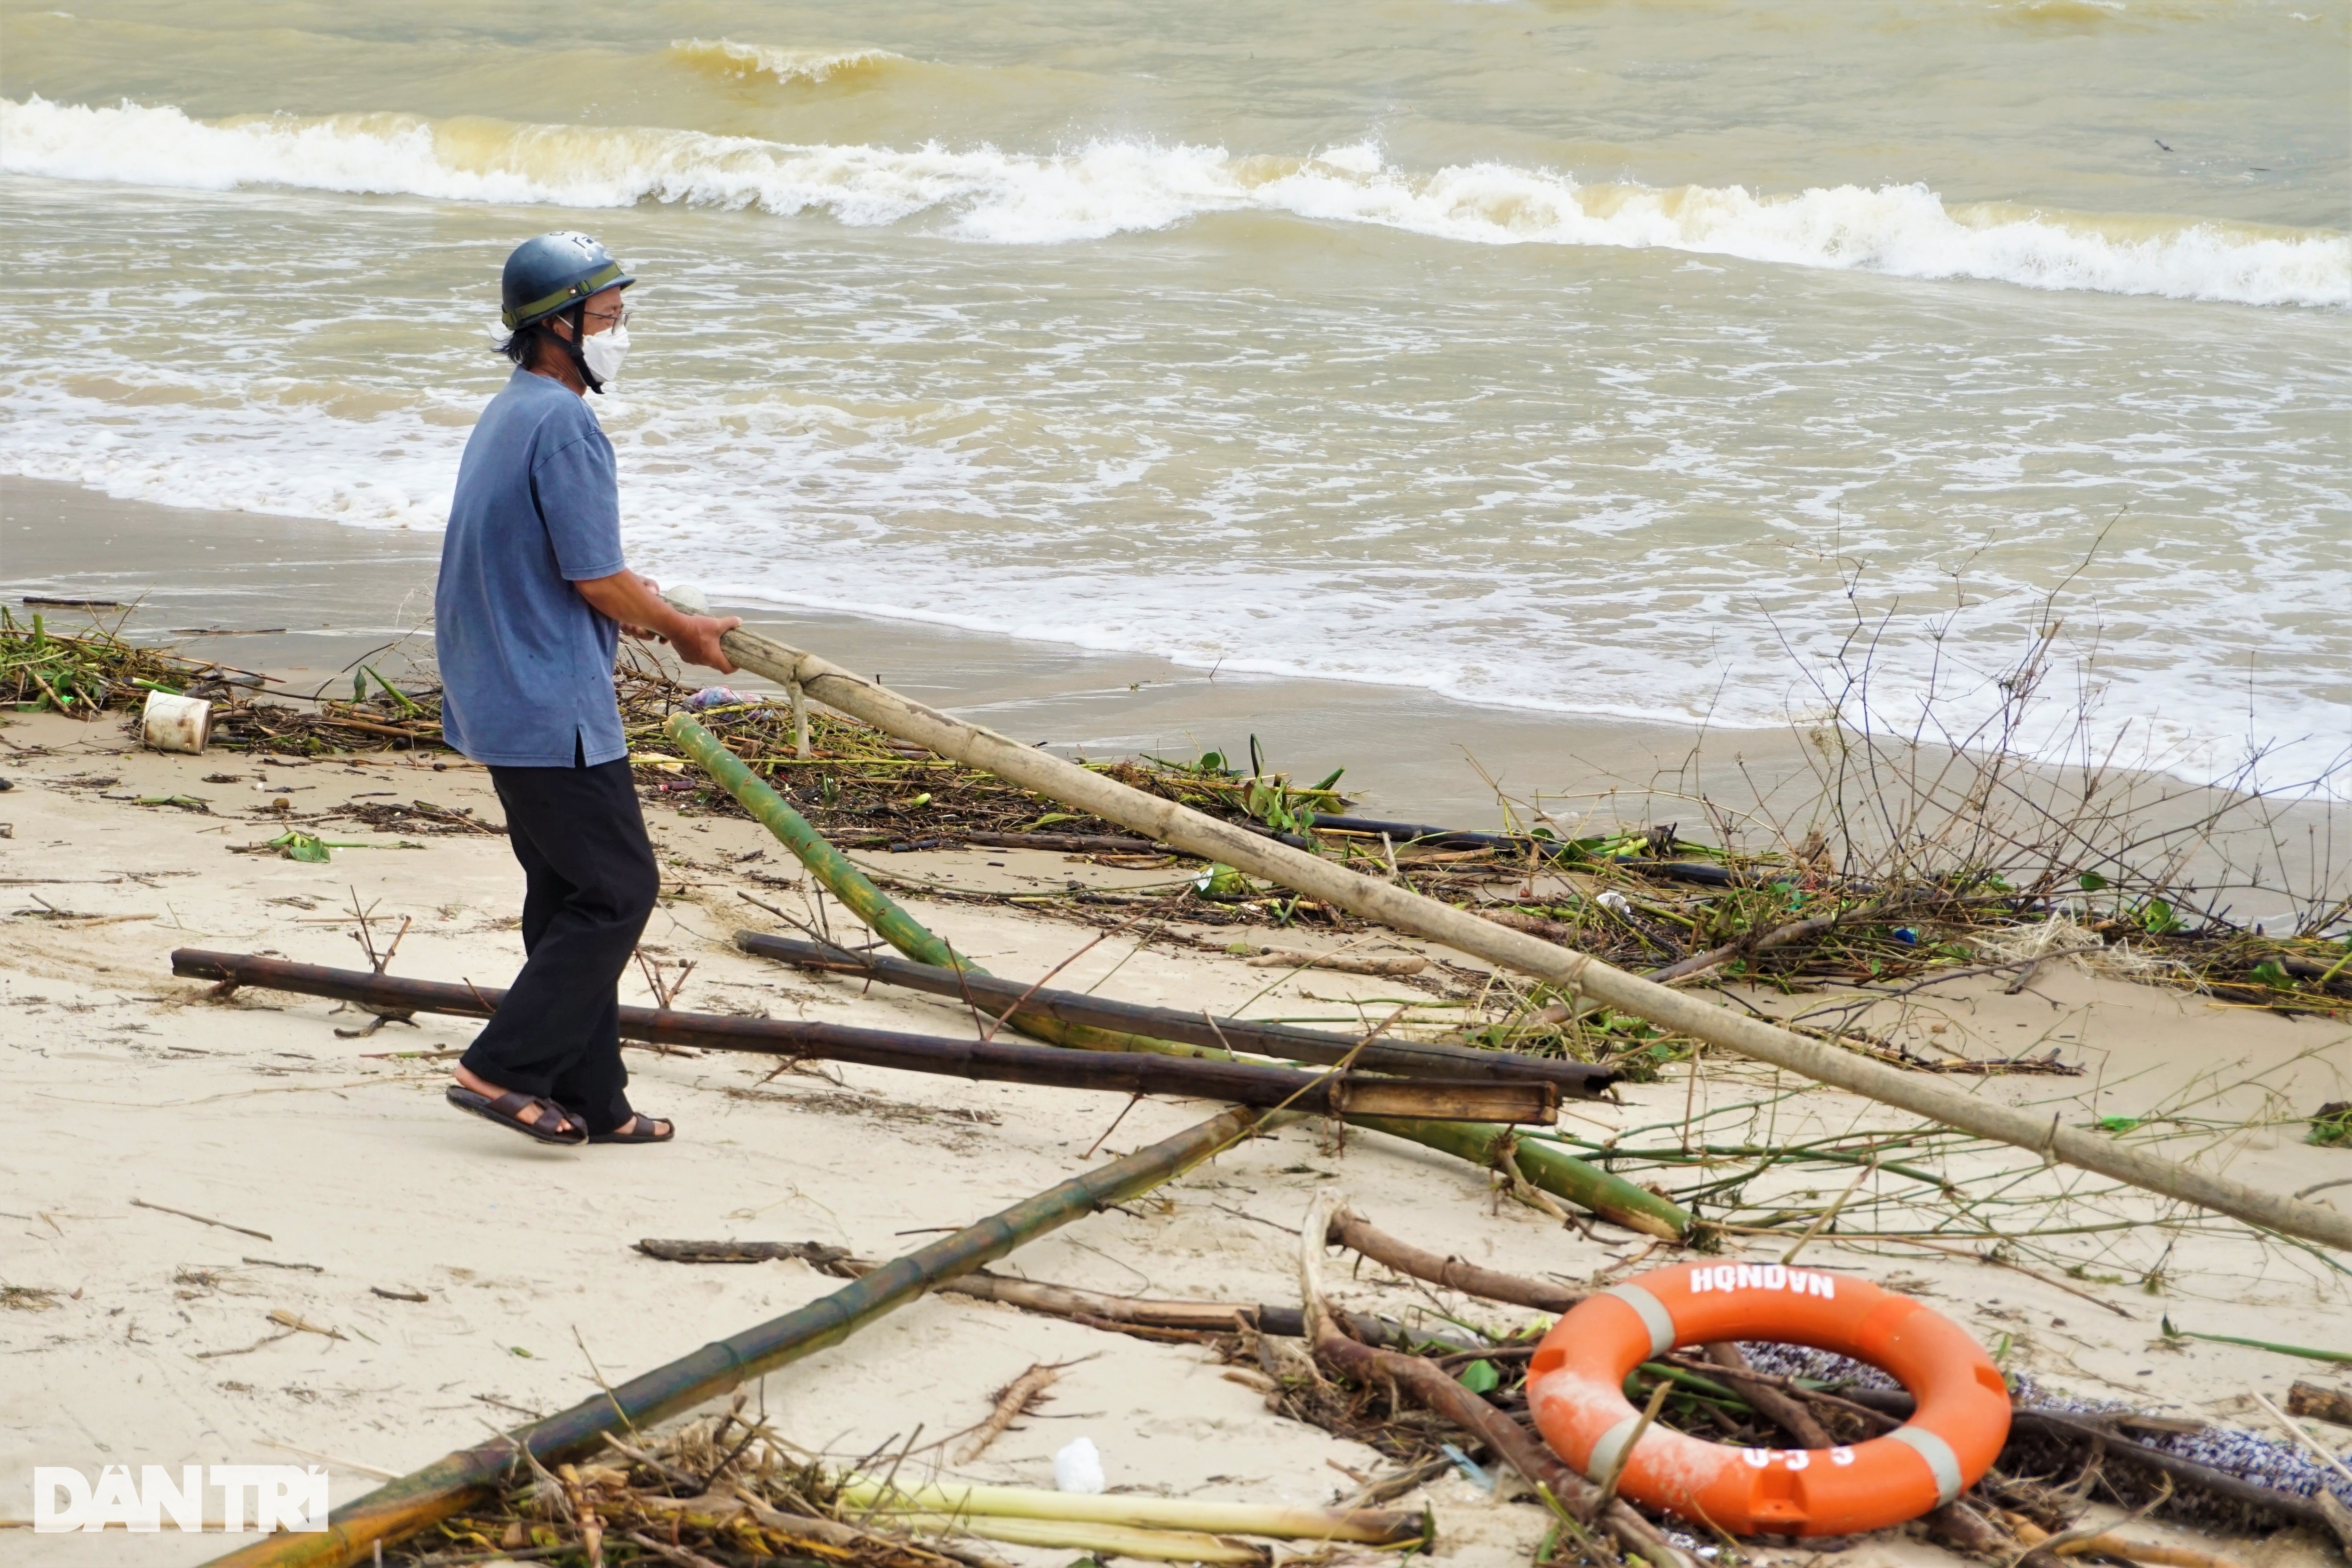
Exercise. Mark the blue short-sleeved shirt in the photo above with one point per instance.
(526, 663)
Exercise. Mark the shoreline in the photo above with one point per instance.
(306, 600)
(1407, 751)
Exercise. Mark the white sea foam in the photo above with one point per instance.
(801, 506)
(1116, 185)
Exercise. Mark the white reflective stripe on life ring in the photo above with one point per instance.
(1607, 1452)
(1653, 1314)
(1941, 1460)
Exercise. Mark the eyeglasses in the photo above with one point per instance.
(617, 318)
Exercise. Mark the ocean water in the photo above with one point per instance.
(1661, 358)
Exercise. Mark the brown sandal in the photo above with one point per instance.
(555, 1125)
(638, 1134)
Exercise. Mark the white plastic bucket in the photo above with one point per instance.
(176, 723)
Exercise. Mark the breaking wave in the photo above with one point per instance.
(1112, 187)
(725, 57)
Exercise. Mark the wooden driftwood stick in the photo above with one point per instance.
(2107, 1544)
(1166, 822)
(1343, 962)
(1350, 1229)
(1787, 1413)
(2319, 1403)
(1013, 1402)
(1428, 1385)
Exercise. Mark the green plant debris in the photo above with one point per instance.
(2340, 1357)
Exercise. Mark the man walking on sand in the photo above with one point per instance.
(532, 596)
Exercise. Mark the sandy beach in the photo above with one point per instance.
(335, 1186)
(1835, 515)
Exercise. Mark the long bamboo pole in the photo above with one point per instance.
(1166, 822)
(1611, 1196)
(401, 1508)
(1474, 1102)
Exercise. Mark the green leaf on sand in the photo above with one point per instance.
(301, 846)
(1480, 1377)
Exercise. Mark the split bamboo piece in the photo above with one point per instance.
(1482, 1143)
(1107, 1540)
(1374, 1527)
(399, 1509)
(1166, 822)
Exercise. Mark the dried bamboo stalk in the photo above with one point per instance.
(1350, 1229)
(1166, 822)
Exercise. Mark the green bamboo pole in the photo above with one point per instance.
(1482, 1143)
(401, 1507)
(870, 904)
(877, 909)
(825, 863)
(1487, 1144)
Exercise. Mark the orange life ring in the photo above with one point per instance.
(1576, 1390)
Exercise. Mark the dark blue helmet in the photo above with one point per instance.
(546, 274)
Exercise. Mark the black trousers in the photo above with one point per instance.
(590, 883)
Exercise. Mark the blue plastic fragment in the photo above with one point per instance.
(1467, 1466)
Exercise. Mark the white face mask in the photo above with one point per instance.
(604, 351)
